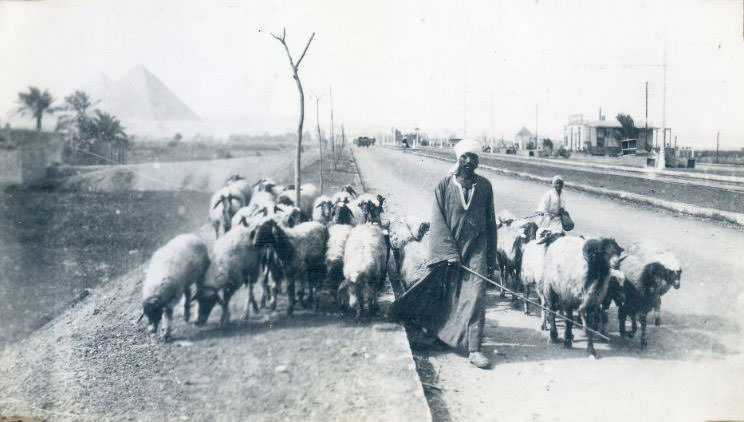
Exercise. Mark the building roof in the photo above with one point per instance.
(524, 132)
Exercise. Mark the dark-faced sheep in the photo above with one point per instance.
(323, 209)
(365, 266)
(173, 268)
(301, 252)
(576, 277)
(308, 194)
(235, 262)
(650, 272)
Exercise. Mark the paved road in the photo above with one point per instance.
(692, 369)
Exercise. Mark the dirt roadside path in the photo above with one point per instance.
(94, 362)
(691, 371)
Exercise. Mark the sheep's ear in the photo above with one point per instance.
(140, 317)
(219, 201)
(277, 209)
(242, 221)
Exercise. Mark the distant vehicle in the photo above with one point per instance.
(364, 141)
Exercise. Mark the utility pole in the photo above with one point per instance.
(645, 133)
(465, 117)
(320, 141)
(333, 136)
(718, 133)
(537, 141)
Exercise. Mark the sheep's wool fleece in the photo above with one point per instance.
(643, 253)
(450, 301)
(181, 262)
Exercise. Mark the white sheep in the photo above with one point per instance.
(365, 266)
(262, 204)
(235, 262)
(531, 272)
(576, 277)
(301, 251)
(650, 271)
(173, 268)
(323, 209)
(239, 183)
(222, 206)
(368, 208)
(512, 238)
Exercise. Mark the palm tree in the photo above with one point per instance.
(76, 109)
(36, 103)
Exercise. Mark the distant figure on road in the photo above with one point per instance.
(550, 208)
(405, 143)
(463, 231)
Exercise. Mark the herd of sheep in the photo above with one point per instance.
(263, 238)
(573, 273)
(345, 243)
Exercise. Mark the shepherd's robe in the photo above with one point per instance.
(447, 300)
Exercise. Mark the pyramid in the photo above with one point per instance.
(140, 95)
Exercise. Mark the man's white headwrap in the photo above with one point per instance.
(557, 179)
(465, 146)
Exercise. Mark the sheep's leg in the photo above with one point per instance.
(250, 301)
(290, 295)
(216, 227)
(644, 341)
(592, 320)
(657, 312)
(526, 297)
(621, 315)
(166, 333)
(301, 290)
(227, 293)
(553, 328)
(187, 304)
(567, 333)
(502, 292)
(633, 326)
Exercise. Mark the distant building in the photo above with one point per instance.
(25, 155)
(524, 137)
(605, 137)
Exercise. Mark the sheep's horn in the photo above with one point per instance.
(140, 317)
(222, 198)
(622, 258)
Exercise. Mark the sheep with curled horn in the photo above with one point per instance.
(576, 276)
(650, 272)
(177, 265)
(223, 204)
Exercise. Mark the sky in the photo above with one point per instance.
(463, 68)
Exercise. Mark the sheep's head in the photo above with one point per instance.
(264, 232)
(371, 208)
(350, 190)
(153, 310)
(290, 215)
(285, 200)
(342, 214)
(529, 231)
(665, 277)
(611, 250)
(207, 298)
(326, 209)
(234, 178)
(423, 228)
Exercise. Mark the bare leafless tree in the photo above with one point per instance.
(295, 68)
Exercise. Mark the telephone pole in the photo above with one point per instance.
(718, 133)
(333, 136)
(645, 133)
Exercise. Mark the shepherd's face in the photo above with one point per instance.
(468, 162)
(558, 186)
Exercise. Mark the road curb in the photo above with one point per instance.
(678, 207)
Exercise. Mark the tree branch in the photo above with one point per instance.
(305, 50)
